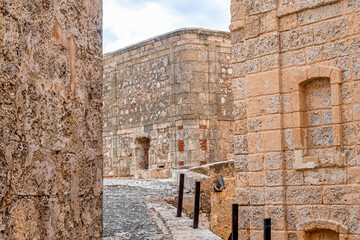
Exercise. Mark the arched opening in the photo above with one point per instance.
(317, 120)
(322, 234)
(319, 229)
(142, 146)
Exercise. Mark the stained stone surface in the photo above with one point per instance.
(50, 119)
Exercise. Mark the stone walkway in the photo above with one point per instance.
(126, 214)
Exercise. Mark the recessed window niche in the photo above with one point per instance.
(316, 100)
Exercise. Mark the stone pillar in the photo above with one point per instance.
(50, 119)
(259, 138)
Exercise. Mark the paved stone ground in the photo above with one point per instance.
(126, 214)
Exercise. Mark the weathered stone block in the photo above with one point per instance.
(262, 45)
(25, 220)
(303, 195)
(295, 39)
(268, 22)
(239, 110)
(291, 6)
(325, 176)
(341, 48)
(274, 178)
(241, 162)
(259, 6)
(270, 62)
(288, 22)
(321, 137)
(274, 195)
(256, 162)
(313, 54)
(292, 218)
(247, 67)
(330, 30)
(292, 58)
(273, 161)
(305, 212)
(238, 53)
(256, 196)
(242, 196)
(256, 179)
(355, 66)
(321, 13)
(294, 178)
(242, 179)
(264, 141)
(352, 5)
(262, 83)
(259, 106)
(289, 139)
(327, 117)
(341, 194)
(238, 88)
(240, 144)
(318, 94)
(314, 118)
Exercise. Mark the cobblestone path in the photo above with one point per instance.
(126, 215)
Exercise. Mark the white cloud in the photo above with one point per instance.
(127, 22)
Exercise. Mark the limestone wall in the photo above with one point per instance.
(296, 86)
(174, 91)
(50, 119)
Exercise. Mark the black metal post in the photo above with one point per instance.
(267, 229)
(235, 222)
(196, 205)
(181, 195)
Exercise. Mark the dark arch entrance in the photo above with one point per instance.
(142, 146)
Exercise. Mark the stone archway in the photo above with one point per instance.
(322, 234)
(321, 230)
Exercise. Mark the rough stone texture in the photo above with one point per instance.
(168, 103)
(50, 119)
(297, 121)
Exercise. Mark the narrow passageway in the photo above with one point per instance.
(126, 215)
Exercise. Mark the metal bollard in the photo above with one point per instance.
(267, 229)
(181, 195)
(235, 222)
(196, 205)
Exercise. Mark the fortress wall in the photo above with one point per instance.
(174, 91)
(296, 86)
(50, 119)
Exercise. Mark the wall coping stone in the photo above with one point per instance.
(167, 35)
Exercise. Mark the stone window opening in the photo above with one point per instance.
(316, 102)
(142, 147)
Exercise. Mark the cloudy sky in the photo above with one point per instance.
(130, 21)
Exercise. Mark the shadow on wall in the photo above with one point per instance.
(142, 146)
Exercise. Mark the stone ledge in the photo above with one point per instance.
(180, 227)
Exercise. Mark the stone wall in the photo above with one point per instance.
(172, 92)
(296, 86)
(50, 119)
